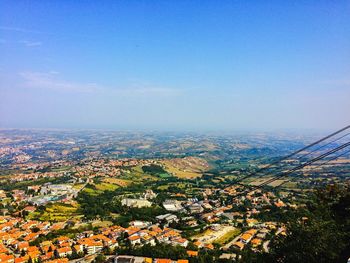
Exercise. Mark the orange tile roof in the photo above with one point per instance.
(3, 249)
(59, 260)
(133, 238)
(32, 249)
(65, 244)
(163, 260)
(34, 254)
(239, 244)
(181, 240)
(62, 238)
(251, 231)
(197, 243)
(22, 245)
(77, 248)
(64, 250)
(192, 253)
(21, 259)
(6, 258)
(47, 256)
(256, 241)
(209, 246)
(246, 236)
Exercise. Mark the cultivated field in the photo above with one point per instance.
(188, 167)
(57, 212)
(221, 236)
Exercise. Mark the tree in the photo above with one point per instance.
(323, 237)
(100, 258)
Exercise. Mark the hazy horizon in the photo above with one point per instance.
(175, 65)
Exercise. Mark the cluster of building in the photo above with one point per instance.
(41, 195)
(16, 234)
(31, 176)
(133, 259)
(109, 168)
(257, 237)
(54, 192)
(17, 237)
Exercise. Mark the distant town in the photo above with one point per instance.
(130, 197)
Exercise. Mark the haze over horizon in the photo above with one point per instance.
(175, 65)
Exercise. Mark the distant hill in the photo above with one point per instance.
(187, 167)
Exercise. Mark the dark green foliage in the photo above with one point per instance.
(323, 237)
(100, 258)
(153, 169)
(102, 205)
(158, 251)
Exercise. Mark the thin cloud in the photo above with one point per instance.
(52, 81)
(18, 29)
(144, 90)
(31, 43)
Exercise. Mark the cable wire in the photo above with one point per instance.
(292, 154)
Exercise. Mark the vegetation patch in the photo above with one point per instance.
(229, 236)
(155, 170)
(116, 181)
(56, 212)
(106, 187)
(187, 168)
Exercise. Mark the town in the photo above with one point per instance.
(177, 209)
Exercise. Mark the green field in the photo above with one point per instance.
(57, 212)
(164, 175)
(228, 237)
(106, 187)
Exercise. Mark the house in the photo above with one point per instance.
(163, 260)
(138, 203)
(140, 224)
(209, 246)
(251, 222)
(180, 242)
(134, 240)
(4, 258)
(169, 218)
(147, 239)
(239, 245)
(78, 248)
(91, 245)
(192, 253)
(59, 260)
(195, 208)
(149, 194)
(22, 259)
(64, 251)
(172, 205)
(207, 216)
(256, 242)
(47, 256)
(62, 239)
(246, 237)
(3, 249)
(22, 245)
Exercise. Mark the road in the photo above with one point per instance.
(228, 245)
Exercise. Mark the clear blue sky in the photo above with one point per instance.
(175, 65)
